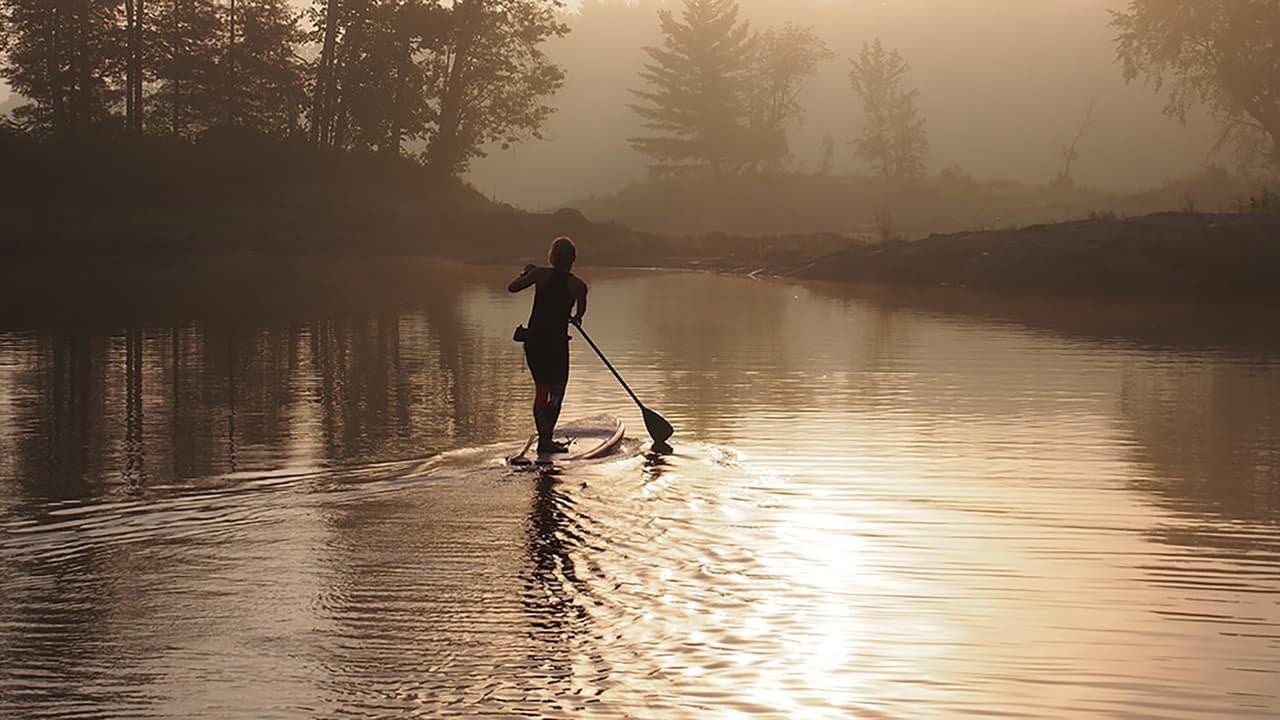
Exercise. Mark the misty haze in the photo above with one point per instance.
(610, 359)
(1003, 84)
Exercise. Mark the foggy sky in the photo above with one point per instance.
(1003, 85)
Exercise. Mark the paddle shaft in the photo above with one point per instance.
(609, 365)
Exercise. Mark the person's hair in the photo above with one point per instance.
(562, 253)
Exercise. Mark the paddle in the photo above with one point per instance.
(659, 429)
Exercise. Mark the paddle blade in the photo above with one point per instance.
(659, 429)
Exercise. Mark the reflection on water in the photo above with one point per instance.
(871, 512)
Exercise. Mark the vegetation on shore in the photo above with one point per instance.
(240, 193)
(370, 77)
(1189, 255)
(869, 209)
(234, 190)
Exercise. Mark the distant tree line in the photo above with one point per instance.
(445, 79)
(719, 97)
(368, 75)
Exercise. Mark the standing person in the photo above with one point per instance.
(546, 340)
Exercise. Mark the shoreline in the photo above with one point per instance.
(127, 290)
(1174, 256)
(246, 197)
(1164, 256)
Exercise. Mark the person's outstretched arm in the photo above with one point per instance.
(524, 279)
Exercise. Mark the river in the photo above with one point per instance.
(259, 506)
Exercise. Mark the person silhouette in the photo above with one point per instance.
(546, 339)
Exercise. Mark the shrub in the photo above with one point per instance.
(886, 230)
(1265, 201)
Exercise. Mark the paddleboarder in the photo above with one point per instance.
(546, 339)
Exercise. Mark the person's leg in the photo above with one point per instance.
(551, 415)
(546, 412)
(541, 390)
(557, 378)
(541, 394)
(549, 365)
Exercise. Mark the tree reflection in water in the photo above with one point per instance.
(1209, 429)
(390, 369)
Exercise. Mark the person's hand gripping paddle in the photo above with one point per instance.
(659, 429)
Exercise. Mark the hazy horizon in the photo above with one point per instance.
(1002, 87)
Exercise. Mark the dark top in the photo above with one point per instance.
(552, 301)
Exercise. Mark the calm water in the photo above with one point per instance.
(256, 507)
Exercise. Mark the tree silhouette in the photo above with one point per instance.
(135, 14)
(700, 82)
(368, 92)
(326, 15)
(1064, 179)
(784, 61)
(64, 55)
(893, 140)
(489, 78)
(1223, 53)
(458, 75)
(184, 100)
(262, 85)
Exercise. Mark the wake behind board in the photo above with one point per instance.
(588, 439)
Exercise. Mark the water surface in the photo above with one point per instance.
(286, 504)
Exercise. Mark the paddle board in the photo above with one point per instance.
(588, 439)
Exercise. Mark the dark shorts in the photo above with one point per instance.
(549, 362)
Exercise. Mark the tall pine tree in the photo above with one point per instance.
(699, 82)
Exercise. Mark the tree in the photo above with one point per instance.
(488, 78)
(185, 100)
(1064, 179)
(135, 24)
(325, 14)
(1223, 53)
(376, 87)
(893, 140)
(700, 80)
(64, 55)
(458, 75)
(784, 61)
(262, 76)
(349, 108)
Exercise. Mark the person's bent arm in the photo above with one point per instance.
(581, 298)
(524, 280)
